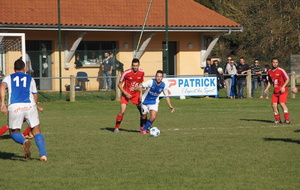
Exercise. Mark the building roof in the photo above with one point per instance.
(110, 14)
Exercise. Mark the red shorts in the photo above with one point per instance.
(281, 97)
(135, 98)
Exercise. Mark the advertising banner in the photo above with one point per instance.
(192, 86)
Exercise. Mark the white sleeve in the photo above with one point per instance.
(166, 91)
(33, 88)
(6, 79)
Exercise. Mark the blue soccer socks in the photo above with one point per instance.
(18, 138)
(148, 125)
(40, 143)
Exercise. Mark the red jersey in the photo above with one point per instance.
(132, 79)
(278, 78)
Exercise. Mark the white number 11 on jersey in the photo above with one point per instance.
(17, 80)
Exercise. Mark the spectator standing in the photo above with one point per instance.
(214, 67)
(107, 72)
(231, 71)
(279, 78)
(264, 81)
(28, 66)
(242, 70)
(207, 68)
(220, 78)
(227, 63)
(256, 73)
(218, 71)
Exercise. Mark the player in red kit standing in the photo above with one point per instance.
(130, 79)
(279, 78)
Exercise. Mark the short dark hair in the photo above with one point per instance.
(135, 60)
(159, 71)
(208, 59)
(19, 65)
(275, 58)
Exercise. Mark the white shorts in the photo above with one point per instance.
(147, 108)
(17, 112)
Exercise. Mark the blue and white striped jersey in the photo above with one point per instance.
(151, 95)
(20, 88)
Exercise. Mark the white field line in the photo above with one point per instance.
(184, 130)
(222, 128)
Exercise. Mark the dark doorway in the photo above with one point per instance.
(40, 54)
(170, 67)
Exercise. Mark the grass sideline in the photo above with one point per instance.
(206, 143)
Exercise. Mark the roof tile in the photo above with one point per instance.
(187, 13)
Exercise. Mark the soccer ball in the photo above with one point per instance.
(154, 132)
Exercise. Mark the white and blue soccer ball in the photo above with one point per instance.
(154, 132)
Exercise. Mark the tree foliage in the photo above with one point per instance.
(271, 27)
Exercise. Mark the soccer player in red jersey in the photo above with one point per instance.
(130, 79)
(279, 78)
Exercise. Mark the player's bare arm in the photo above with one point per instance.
(35, 97)
(170, 105)
(120, 86)
(284, 85)
(2, 94)
(295, 90)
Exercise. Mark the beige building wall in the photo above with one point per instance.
(188, 56)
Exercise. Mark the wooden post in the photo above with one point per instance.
(249, 84)
(72, 88)
(293, 84)
(118, 91)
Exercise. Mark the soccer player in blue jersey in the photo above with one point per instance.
(150, 98)
(22, 103)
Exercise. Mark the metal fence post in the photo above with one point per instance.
(249, 84)
(118, 91)
(72, 88)
(293, 84)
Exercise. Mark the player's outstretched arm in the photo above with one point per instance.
(35, 97)
(41, 109)
(267, 88)
(284, 85)
(170, 105)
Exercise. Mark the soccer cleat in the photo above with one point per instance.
(276, 122)
(27, 151)
(116, 130)
(287, 122)
(144, 132)
(261, 97)
(29, 136)
(43, 158)
(267, 97)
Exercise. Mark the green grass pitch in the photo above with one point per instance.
(206, 143)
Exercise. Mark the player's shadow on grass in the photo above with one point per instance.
(121, 129)
(11, 156)
(5, 137)
(297, 131)
(259, 120)
(283, 140)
